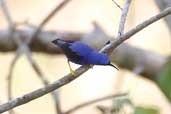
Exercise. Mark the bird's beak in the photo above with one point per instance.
(113, 66)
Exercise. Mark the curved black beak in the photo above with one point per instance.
(113, 66)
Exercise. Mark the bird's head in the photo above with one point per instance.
(58, 42)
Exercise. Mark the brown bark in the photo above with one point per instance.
(125, 56)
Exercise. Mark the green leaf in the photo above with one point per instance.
(121, 101)
(164, 80)
(146, 110)
(118, 103)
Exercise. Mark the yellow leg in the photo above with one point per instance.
(91, 65)
(72, 71)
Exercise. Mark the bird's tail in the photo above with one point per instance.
(58, 42)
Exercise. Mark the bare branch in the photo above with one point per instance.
(114, 44)
(6, 13)
(162, 4)
(55, 95)
(117, 4)
(23, 48)
(68, 78)
(123, 17)
(43, 78)
(9, 77)
(42, 91)
(82, 105)
(11, 24)
(17, 40)
(122, 24)
(138, 69)
(9, 84)
(120, 56)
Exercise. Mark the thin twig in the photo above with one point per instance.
(23, 48)
(10, 21)
(48, 17)
(43, 78)
(9, 78)
(55, 95)
(117, 5)
(121, 28)
(123, 17)
(17, 40)
(68, 78)
(82, 105)
(6, 13)
(109, 48)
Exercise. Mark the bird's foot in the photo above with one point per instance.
(91, 65)
(73, 73)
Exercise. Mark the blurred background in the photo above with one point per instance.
(77, 16)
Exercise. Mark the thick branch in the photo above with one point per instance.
(42, 91)
(130, 57)
(125, 55)
(68, 78)
(133, 55)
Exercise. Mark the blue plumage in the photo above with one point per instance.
(81, 53)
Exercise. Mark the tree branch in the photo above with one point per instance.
(123, 17)
(43, 78)
(42, 91)
(6, 13)
(117, 4)
(125, 56)
(68, 78)
(10, 77)
(138, 28)
(10, 22)
(82, 105)
(14, 36)
(23, 48)
(162, 4)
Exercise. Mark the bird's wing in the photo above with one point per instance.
(81, 48)
(65, 46)
(72, 55)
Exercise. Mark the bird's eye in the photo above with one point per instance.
(105, 52)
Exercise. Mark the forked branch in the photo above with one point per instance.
(68, 78)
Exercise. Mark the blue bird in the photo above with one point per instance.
(82, 54)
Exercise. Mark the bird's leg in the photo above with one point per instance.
(91, 65)
(72, 71)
